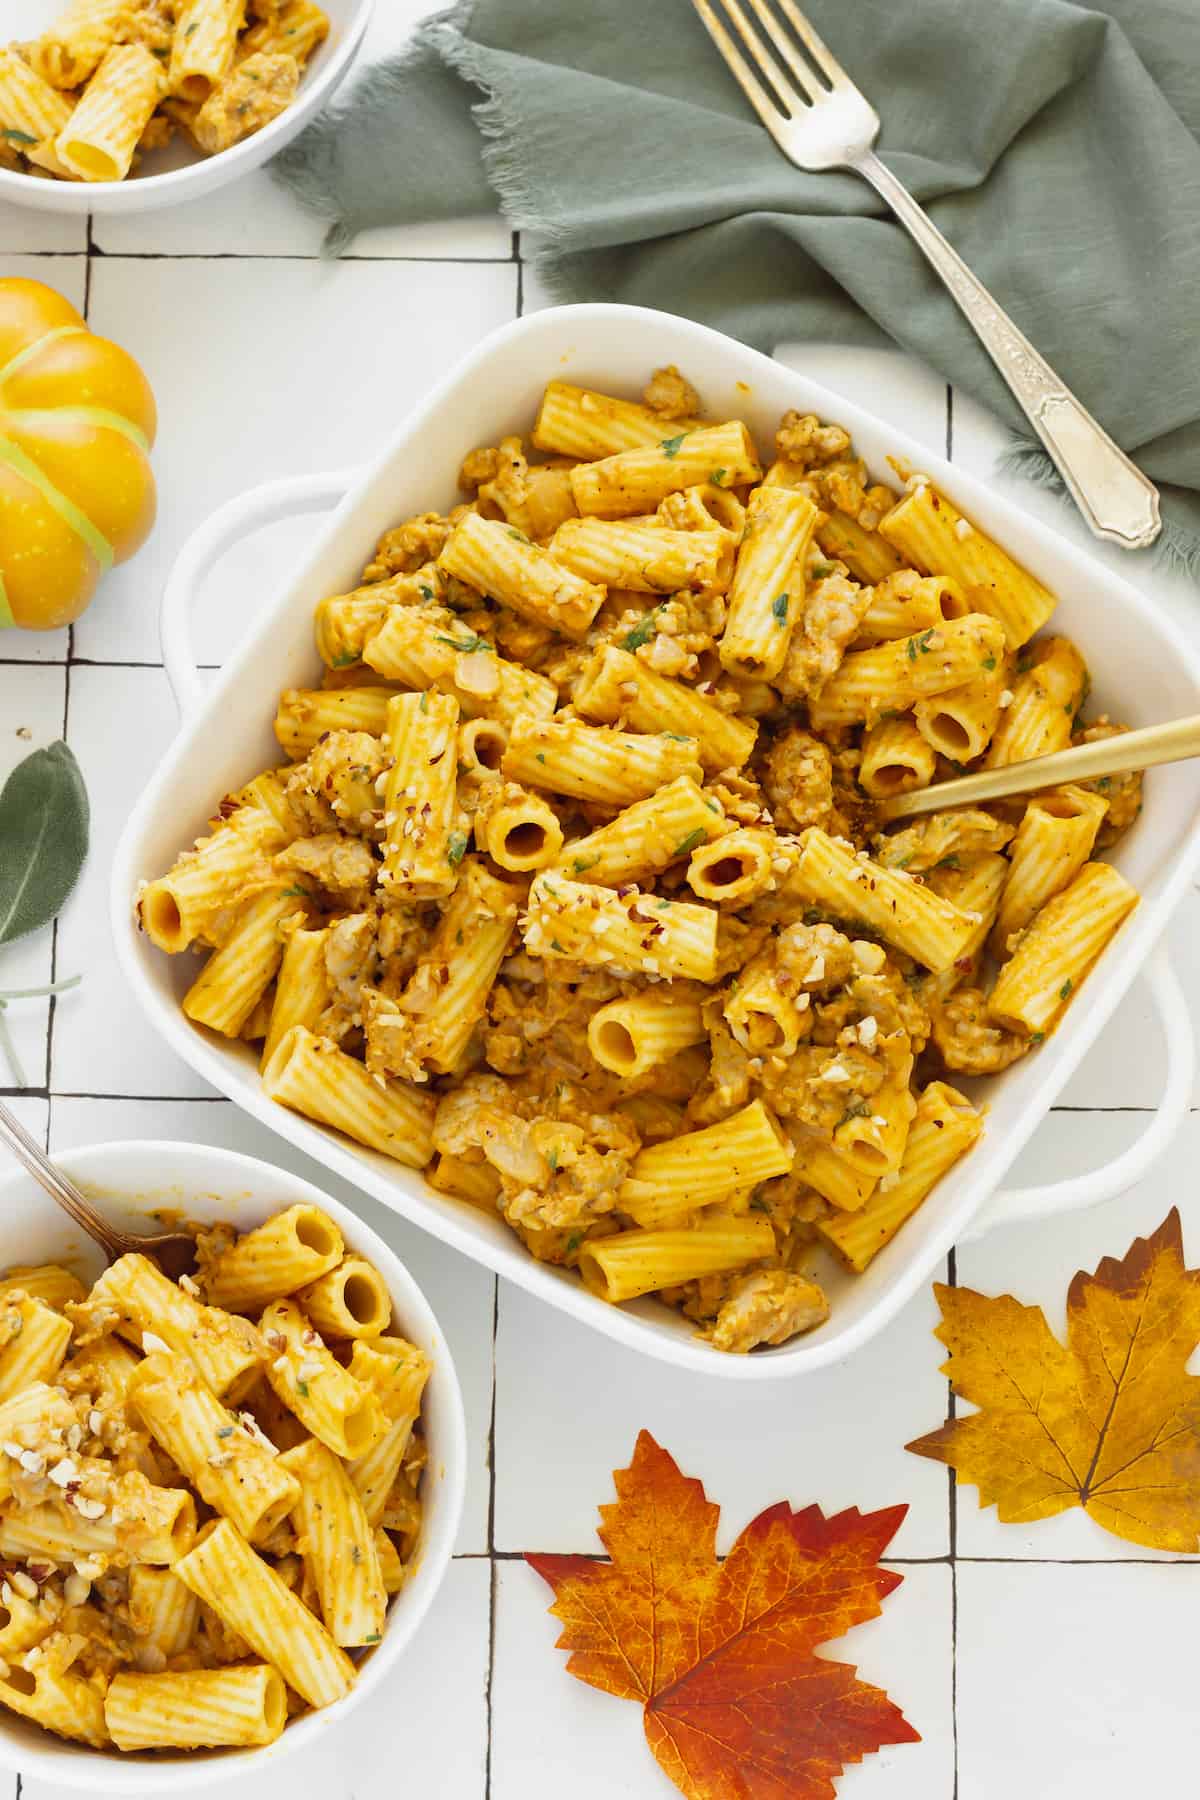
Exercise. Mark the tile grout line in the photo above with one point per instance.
(951, 1480)
(493, 1581)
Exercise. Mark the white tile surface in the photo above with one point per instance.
(241, 358)
(819, 1439)
(31, 717)
(1073, 1683)
(552, 1734)
(267, 361)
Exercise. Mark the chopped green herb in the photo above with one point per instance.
(18, 137)
(676, 737)
(458, 936)
(457, 848)
(758, 1204)
(584, 862)
(1064, 990)
(344, 658)
(424, 706)
(541, 756)
(225, 1431)
(857, 1109)
(821, 570)
(988, 662)
(356, 1553)
(302, 1389)
(686, 845)
(670, 446)
(519, 535)
(425, 592)
(195, 26)
(573, 1242)
(555, 945)
(1038, 1037)
(1104, 783)
(470, 644)
(296, 893)
(779, 609)
(920, 643)
(371, 1637)
(643, 631)
(718, 476)
(948, 862)
(552, 1159)
(663, 906)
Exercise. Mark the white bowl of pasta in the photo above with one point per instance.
(148, 1431)
(582, 977)
(121, 109)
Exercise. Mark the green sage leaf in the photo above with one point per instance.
(43, 839)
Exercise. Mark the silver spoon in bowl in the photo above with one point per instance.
(173, 1251)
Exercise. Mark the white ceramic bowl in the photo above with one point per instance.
(128, 1181)
(178, 173)
(1143, 671)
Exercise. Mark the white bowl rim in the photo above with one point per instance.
(110, 1771)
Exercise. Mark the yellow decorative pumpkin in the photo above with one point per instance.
(77, 421)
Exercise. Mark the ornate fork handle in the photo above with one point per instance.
(1117, 500)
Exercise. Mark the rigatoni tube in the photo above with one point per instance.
(635, 1034)
(617, 686)
(631, 931)
(231, 1469)
(642, 1262)
(647, 836)
(250, 1599)
(339, 1545)
(501, 562)
(200, 1709)
(292, 1248)
(591, 762)
(767, 594)
(933, 535)
(702, 1166)
(635, 480)
(853, 888)
(894, 675)
(311, 1075)
(944, 1128)
(310, 1382)
(1058, 949)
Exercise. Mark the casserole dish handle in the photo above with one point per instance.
(1013, 1204)
(238, 518)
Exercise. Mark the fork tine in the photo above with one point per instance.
(788, 53)
(739, 68)
(816, 46)
(787, 96)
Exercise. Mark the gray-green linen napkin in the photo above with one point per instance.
(1057, 146)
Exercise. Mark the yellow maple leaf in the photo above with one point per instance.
(1110, 1423)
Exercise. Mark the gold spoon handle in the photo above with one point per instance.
(29, 1152)
(1173, 742)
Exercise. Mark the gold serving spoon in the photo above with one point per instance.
(173, 1251)
(1128, 750)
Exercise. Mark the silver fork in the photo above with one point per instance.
(820, 120)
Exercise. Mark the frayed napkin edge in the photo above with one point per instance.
(1176, 549)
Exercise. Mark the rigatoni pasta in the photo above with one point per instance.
(127, 1625)
(597, 922)
(110, 79)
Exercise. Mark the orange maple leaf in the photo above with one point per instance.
(720, 1655)
(1110, 1423)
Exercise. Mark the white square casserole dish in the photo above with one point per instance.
(1142, 672)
